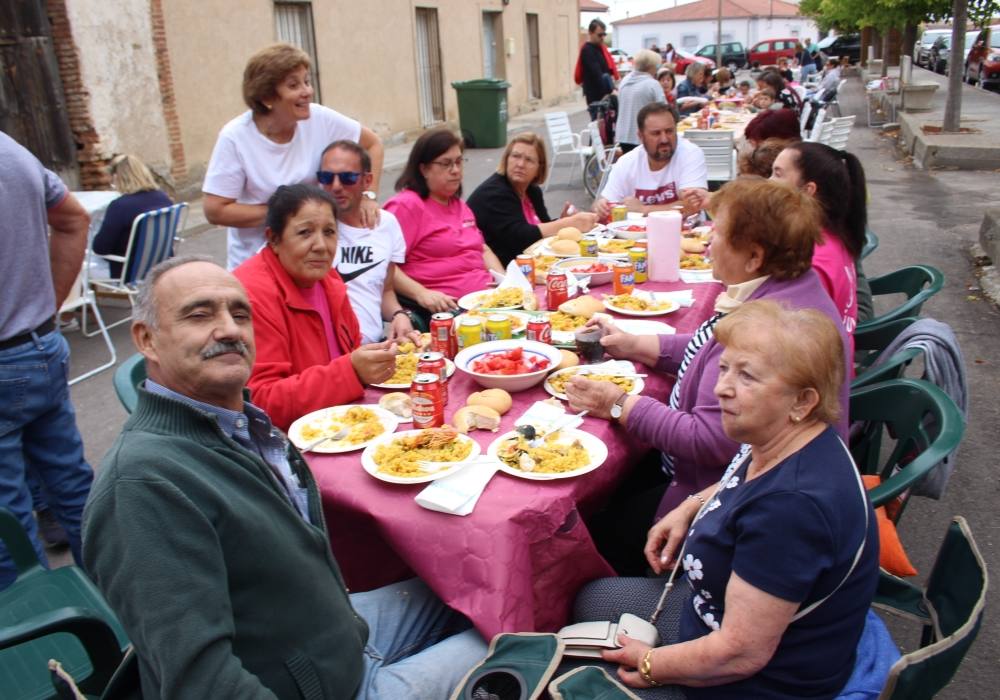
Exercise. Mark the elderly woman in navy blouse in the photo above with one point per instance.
(780, 558)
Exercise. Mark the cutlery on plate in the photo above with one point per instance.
(339, 435)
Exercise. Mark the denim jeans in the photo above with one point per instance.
(807, 70)
(417, 646)
(38, 431)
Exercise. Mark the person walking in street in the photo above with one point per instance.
(37, 423)
(595, 69)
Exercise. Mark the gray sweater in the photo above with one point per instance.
(635, 92)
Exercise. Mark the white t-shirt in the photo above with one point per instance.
(631, 176)
(248, 167)
(363, 257)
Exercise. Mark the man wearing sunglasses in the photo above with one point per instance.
(366, 258)
(596, 70)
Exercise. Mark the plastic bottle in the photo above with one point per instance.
(663, 235)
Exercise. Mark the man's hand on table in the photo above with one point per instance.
(695, 198)
(633, 204)
(602, 207)
(437, 302)
(374, 363)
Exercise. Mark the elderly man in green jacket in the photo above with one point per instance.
(205, 532)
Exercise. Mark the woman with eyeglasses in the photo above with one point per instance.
(278, 141)
(510, 207)
(446, 256)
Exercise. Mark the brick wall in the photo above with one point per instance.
(178, 167)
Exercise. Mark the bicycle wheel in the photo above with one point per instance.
(592, 175)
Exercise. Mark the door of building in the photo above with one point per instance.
(493, 63)
(32, 105)
(534, 59)
(429, 77)
(293, 24)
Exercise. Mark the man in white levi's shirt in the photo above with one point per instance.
(651, 178)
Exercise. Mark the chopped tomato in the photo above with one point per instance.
(509, 362)
(593, 267)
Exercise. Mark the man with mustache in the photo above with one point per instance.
(205, 532)
(650, 178)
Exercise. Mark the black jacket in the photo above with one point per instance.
(501, 219)
(595, 66)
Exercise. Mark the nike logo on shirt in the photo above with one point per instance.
(348, 276)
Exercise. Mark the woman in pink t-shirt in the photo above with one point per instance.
(446, 256)
(837, 181)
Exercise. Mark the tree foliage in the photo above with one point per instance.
(851, 15)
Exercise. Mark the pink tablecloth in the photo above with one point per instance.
(517, 561)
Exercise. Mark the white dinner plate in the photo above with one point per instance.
(635, 312)
(448, 363)
(471, 301)
(317, 419)
(368, 460)
(638, 326)
(595, 447)
(637, 386)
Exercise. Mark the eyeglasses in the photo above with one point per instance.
(347, 179)
(602, 34)
(449, 164)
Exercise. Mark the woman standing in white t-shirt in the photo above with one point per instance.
(277, 142)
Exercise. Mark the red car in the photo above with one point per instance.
(983, 63)
(685, 58)
(766, 52)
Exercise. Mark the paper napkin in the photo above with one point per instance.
(458, 493)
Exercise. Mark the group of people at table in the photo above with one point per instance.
(205, 525)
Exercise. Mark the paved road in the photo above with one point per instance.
(921, 217)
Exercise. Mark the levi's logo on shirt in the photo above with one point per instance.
(661, 195)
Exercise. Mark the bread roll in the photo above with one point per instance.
(585, 306)
(469, 418)
(569, 359)
(398, 403)
(497, 399)
(692, 245)
(563, 246)
(569, 233)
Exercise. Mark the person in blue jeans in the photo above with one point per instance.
(37, 423)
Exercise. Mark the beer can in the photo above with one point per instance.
(639, 265)
(428, 405)
(443, 338)
(498, 327)
(556, 289)
(624, 278)
(434, 363)
(539, 329)
(619, 212)
(470, 332)
(588, 246)
(527, 265)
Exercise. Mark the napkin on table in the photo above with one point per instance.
(458, 493)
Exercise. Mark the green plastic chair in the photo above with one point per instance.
(921, 424)
(871, 243)
(52, 614)
(918, 282)
(871, 342)
(128, 376)
(950, 609)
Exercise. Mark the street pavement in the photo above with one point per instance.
(929, 217)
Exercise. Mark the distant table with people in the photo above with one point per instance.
(515, 563)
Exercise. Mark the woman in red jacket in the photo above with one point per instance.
(308, 352)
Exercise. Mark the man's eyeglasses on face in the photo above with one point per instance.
(347, 179)
(449, 164)
(602, 34)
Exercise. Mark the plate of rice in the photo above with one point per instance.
(501, 298)
(639, 305)
(555, 383)
(396, 458)
(562, 455)
(363, 423)
(406, 367)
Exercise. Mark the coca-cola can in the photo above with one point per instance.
(539, 329)
(556, 289)
(434, 363)
(443, 337)
(428, 407)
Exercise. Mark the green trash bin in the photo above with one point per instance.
(482, 112)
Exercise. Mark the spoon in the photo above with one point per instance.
(339, 435)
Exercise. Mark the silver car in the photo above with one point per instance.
(922, 48)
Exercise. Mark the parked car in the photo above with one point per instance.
(982, 64)
(766, 52)
(685, 58)
(622, 60)
(922, 47)
(941, 52)
(843, 45)
(734, 56)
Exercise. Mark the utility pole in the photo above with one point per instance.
(718, 38)
(956, 67)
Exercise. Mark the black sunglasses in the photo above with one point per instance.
(347, 179)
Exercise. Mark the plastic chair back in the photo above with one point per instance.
(717, 145)
(871, 243)
(804, 119)
(151, 241)
(870, 343)
(954, 599)
(560, 132)
(921, 424)
(128, 376)
(918, 282)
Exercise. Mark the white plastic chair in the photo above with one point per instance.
(717, 145)
(817, 127)
(837, 131)
(81, 297)
(804, 119)
(565, 142)
(598, 166)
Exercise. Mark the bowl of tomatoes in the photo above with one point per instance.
(512, 365)
(598, 269)
(631, 229)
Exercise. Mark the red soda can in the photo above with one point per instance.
(556, 289)
(428, 408)
(443, 338)
(540, 329)
(433, 363)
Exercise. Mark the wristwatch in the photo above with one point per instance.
(368, 194)
(405, 312)
(618, 406)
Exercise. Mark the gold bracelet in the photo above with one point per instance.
(646, 667)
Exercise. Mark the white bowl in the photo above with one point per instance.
(619, 229)
(596, 278)
(508, 382)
